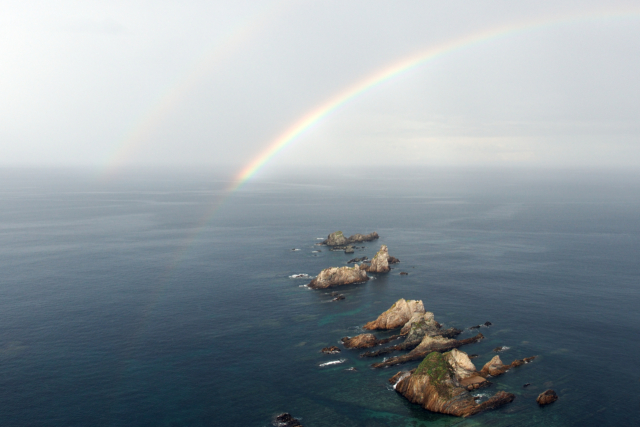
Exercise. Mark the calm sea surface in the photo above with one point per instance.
(124, 302)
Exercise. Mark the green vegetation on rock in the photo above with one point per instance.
(436, 367)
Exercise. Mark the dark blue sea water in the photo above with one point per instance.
(118, 308)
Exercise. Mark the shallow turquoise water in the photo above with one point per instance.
(108, 320)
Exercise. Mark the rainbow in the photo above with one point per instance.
(402, 66)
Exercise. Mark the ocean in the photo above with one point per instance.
(128, 301)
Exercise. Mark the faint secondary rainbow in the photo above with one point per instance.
(373, 80)
(143, 128)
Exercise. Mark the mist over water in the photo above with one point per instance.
(108, 319)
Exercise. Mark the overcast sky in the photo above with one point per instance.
(109, 84)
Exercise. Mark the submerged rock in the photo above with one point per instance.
(546, 397)
(338, 239)
(286, 420)
(337, 276)
(338, 297)
(331, 350)
(404, 273)
(434, 386)
(396, 316)
(351, 261)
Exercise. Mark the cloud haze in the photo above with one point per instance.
(110, 84)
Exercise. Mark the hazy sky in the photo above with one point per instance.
(116, 83)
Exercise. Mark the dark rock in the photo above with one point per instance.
(392, 260)
(473, 356)
(402, 273)
(338, 297)
(351, 261)
(348, 250)
(331, 350)
(487, 324)
(286, 420)
(526, 385)
(546, 397)
(499, 349)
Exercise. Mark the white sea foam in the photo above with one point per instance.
(319, 238)
(295, 249)
(314, 252)
(403, 376)
(333, 362)
(299, 276)
(480, 395)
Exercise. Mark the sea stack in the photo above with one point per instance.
(435, 385)
(338, 276)
(380, 262)
(398, 315)
(337, 238)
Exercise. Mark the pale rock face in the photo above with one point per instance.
(380, 262)
(337, 276)
(417, 318)
(430, 342)
(360, 341)
(494, 367)
(336, 239)
(399, 314)
(460, 364)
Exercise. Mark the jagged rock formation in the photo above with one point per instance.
(337, 276)
(434, 385)
(392, 260)
(420, 321)
(427, 346)
(461, 366)
(366, 341)
(379, 263)
(351, 261)
(400, 313)
(419, 326)
(495, 367)
(546, 397)
(338, 239)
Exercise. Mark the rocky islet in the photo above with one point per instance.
(443, 380)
